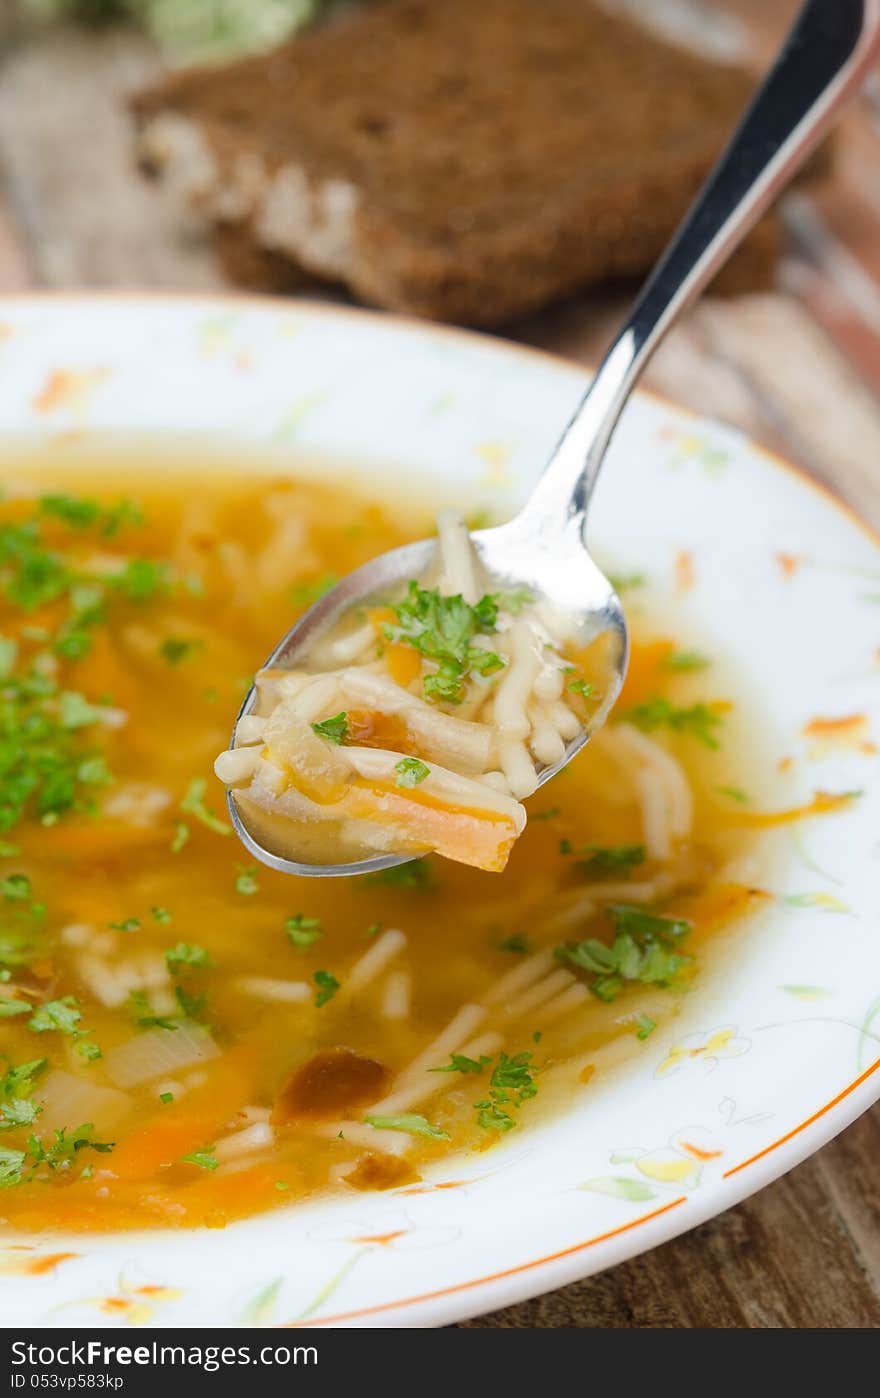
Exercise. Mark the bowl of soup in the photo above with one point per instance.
(230, 1096)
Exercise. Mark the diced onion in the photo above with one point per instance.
(159, 1053)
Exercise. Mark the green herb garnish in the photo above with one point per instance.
(700, 721)
(327, 987)
(193, 804)
(410, 772)
(143, 1012)
(174, 649)
(644, 951)
(246, 882)
(612, 859)
(511, 1085)
(516, 943)
(682, 661)
(205, 1159)
(303, 931)
(187, 954)
(335, 729)
(61, 1015)
(442, 629)
(410, 1122)
(460, 1063)
(181, 836)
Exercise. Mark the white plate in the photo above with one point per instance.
(778, 1047)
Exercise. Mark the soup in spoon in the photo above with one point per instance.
(421, 723)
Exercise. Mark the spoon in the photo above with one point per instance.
(830, 49)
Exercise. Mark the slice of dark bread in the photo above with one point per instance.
(466, 160)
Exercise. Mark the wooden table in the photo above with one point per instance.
(798, 368)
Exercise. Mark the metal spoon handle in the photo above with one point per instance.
(828, 52)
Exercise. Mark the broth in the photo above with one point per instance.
(220, 1039)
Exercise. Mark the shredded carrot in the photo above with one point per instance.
(483, 839)
(719, 904)
(822, 803)
(159, 1144)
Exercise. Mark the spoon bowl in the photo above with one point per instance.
(512, 556)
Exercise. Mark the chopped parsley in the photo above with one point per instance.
(43, 764)
(442, 630)
(327, 986)
(80, 513)
(166, 1098)
(246, 882)
(516, 943)
(181, 836)
(191, 1006)
(645, 1026)
(61, 1151)
(205, 1159)
(581, 687)
(611, 859)
(513, 600)
(644, 950)
(193, 804)
(143, 1012)
(141, 579)
(460, 1063)
(16, 1086)
(416, 1125)
(410, 772)
(700, 721)
(15, 888)
(187, 954)
(10, 1008)
(161, 914)
(130, 924)
(511, 1085)
(682, 661)
(62, 1015)
(335, 729)
(303, 931)
(174, 649)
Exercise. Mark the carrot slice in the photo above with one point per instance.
(483, 839)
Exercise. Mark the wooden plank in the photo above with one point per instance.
(66, 155)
